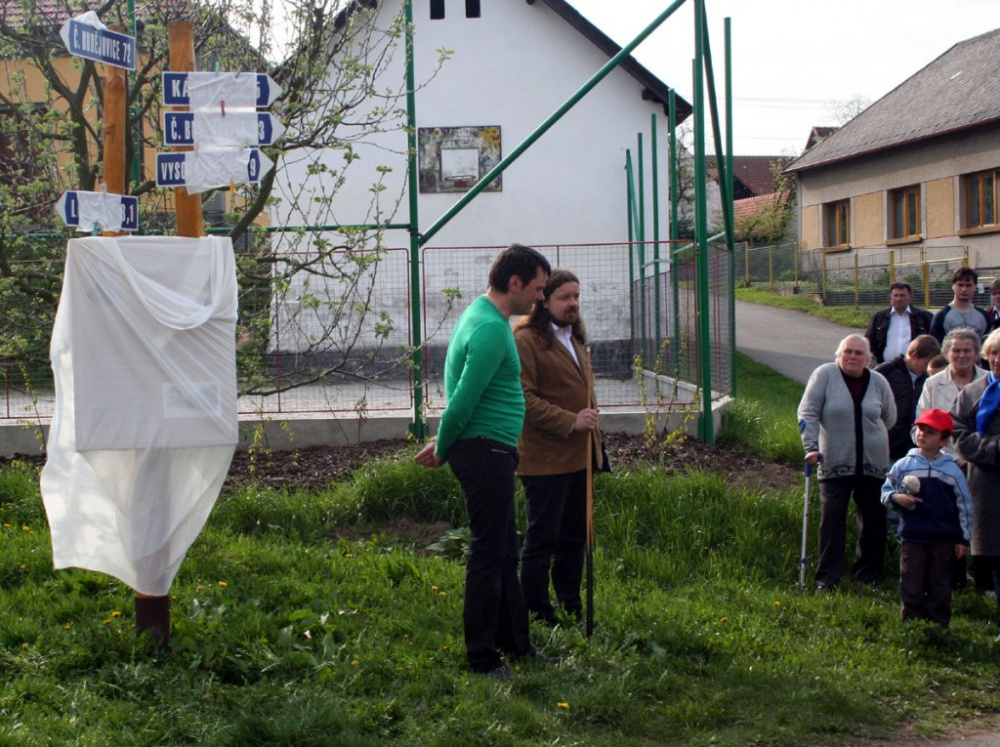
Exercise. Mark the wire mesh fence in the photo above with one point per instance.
(454, 276)
(336, 341)
(858, 277)
(665, 307)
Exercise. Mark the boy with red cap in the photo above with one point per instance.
(929, 492)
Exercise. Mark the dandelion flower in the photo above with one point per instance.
(564, 706)
(442, 594)
(777, 603)
(354, 663)
(223, 584)
(116, 613)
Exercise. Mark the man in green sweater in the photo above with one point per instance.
(478, 437)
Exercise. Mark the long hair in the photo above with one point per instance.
(541, 320)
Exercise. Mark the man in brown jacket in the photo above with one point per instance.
(560, 434)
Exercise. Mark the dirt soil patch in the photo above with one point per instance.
(317, 466)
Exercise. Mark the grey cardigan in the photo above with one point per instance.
(983, 456)
(827, 423)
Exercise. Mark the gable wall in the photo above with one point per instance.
(512, 68)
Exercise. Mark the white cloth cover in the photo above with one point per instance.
(207, 91)
(102, 208)
(237, 129)
(145, 424)
(209, 168)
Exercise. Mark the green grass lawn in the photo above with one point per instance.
(285, 635)
(848, 316)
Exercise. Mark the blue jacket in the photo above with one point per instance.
(944, 511)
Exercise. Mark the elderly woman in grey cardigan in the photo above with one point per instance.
(977, 439)
(844, 417)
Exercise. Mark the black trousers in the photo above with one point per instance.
(555, 542)
(983, 567)
(925, 581)
(494, 615)
(835, 495)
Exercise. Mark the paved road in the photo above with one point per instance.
(791, 342)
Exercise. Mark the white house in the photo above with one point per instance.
(512, 64)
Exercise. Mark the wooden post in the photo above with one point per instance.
(151, 613)
(114, 130)
(180, 36)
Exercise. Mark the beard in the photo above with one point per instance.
(567, 320)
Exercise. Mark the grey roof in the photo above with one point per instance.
(957, 91)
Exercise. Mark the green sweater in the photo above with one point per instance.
(482, 379)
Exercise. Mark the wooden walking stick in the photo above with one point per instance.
(590, 533)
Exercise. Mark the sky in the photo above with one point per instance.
(795, 61)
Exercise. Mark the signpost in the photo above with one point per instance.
(88, 38)
(175, 87)
(200, 170)
(82, 210)
(241, 127)
(220, 127)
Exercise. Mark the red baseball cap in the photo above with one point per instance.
(937, 419)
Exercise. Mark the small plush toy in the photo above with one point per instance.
(911, 486)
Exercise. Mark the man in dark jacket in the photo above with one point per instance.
(906, 376)
(891, 330)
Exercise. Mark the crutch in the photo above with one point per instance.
(805, 528)
(590, 533)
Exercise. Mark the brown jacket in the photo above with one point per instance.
(555, 390)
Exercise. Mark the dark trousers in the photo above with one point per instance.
(494, 615)
(555, 541)
(835, 495)
(925, 581)
(983, 567)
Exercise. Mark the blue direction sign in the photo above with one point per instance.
(82, 210)
(98, 44)
(178, 128)
(247, 167)
(175, 91)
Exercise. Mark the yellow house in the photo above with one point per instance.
(918, 169)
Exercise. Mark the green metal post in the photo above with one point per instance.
(731, 242)
(547, 124)
(675, 234)
(418, 427)
(656, 243)
(706, 425)
(629, 207)
(641, 232)
(724, 164)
